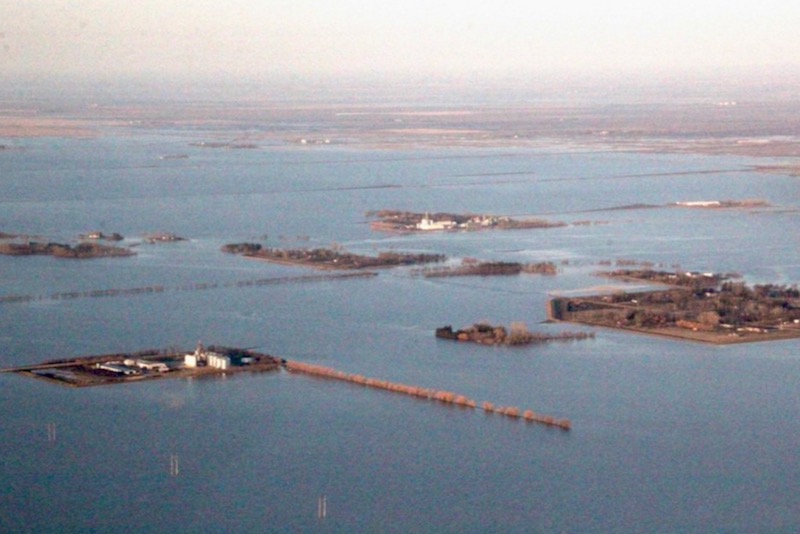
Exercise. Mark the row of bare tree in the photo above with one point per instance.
(425, 393)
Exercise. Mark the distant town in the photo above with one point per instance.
(696, 306)
(405, 221)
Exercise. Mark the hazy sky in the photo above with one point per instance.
(262, 37)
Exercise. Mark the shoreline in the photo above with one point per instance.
(689, 335)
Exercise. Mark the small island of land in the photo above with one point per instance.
(703, 307)
(97, 236)
(470, 267)
(327, 258)
(60, 250)
(517, 334)
(162, 237)
(407, 221)
(147, 365)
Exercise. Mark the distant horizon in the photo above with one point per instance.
(755, 83)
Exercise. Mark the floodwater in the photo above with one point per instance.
(667, 435)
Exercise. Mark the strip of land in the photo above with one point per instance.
(723, 204)
(446, 397)
(194, 286)
(329, 259)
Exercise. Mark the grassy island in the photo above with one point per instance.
(407, 221)
(162, 237)
(517, 334)
(97, 235)
(703, 307)
(490, 268)
(60, 250)
(327, 258)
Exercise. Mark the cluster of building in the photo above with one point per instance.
(163, 237)
(700, 204)
(427, 223)
(97, 235)
(201, 357)
(130, 367)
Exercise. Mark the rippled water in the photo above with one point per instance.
(667, 435)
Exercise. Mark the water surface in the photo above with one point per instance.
(667, 435)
